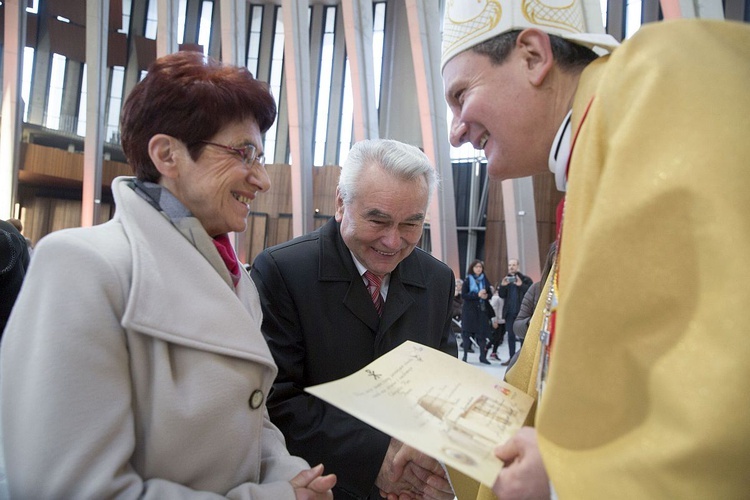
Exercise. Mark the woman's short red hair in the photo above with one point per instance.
(190, 97)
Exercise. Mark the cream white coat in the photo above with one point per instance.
(128, 369)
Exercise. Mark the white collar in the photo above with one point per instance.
(560, 153)
(384, 285)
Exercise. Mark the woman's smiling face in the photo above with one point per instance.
(218, 187)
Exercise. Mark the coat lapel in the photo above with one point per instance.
(406, 275)
(166, 272)
(336, 264)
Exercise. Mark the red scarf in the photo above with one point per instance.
(227, 254)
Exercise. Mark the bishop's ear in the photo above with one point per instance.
(536, 52)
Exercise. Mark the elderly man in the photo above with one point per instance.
(341, 296)
(653, 140)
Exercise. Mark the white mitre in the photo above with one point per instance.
(470, 22)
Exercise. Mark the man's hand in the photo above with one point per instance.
(311, 484)
(523, 476)
(409, 474)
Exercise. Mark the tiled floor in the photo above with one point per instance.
(494, 368)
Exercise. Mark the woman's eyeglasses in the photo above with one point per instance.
(248, 154)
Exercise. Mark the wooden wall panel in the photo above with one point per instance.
(73, 10)
(325, 180)
(278, 198)
(495, 242)
(255, 235)
(59, 163)
(276, 206)
(43, 215)
(283, 230)
(68, 39)
(546, 199)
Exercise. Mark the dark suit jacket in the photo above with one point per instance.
(321, 325)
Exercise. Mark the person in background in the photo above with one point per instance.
(512, 289)
(654, 155)
(336, 299)
(458, 302)
(498, 324)
(14, 262)
(133, 365)
(530, 300)
(19, 225)
(475, 317)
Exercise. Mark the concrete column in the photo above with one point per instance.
(96, 93)
(167, 14)
(297, 72)
(705, 9)
(233, 20)
(336, 101)
(357, 15)
(37, 105)
(520, 224)
(137, 27)
(423, 16)
(398, 114)
(12, 107)
(71, 91)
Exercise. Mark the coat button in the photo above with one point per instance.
(256, 399)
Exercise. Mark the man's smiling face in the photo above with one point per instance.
(383, 222)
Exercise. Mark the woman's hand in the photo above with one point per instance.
(311, 484)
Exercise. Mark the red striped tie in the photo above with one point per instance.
(373, 286)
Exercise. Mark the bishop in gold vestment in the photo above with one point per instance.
(647, 393)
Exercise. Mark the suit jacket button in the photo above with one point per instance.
(256, 399)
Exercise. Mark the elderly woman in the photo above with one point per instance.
(133, 364)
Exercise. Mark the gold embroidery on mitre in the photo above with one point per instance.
(566, 17)
(461, 31)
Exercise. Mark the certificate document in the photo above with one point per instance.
(444, 407)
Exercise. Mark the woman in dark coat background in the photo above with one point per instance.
(476, 312)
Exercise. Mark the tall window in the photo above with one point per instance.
(151, 20)
(126, 6)
(632, 17)
(181, 15)
(277, 69)
(324, 87)
(253, 38)
(378, 38)
(81, 130)
(115, 102)
(28, 70)
(347, 106)
(347, 116)
(204, 29)
(28, 67)
(54, 98)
